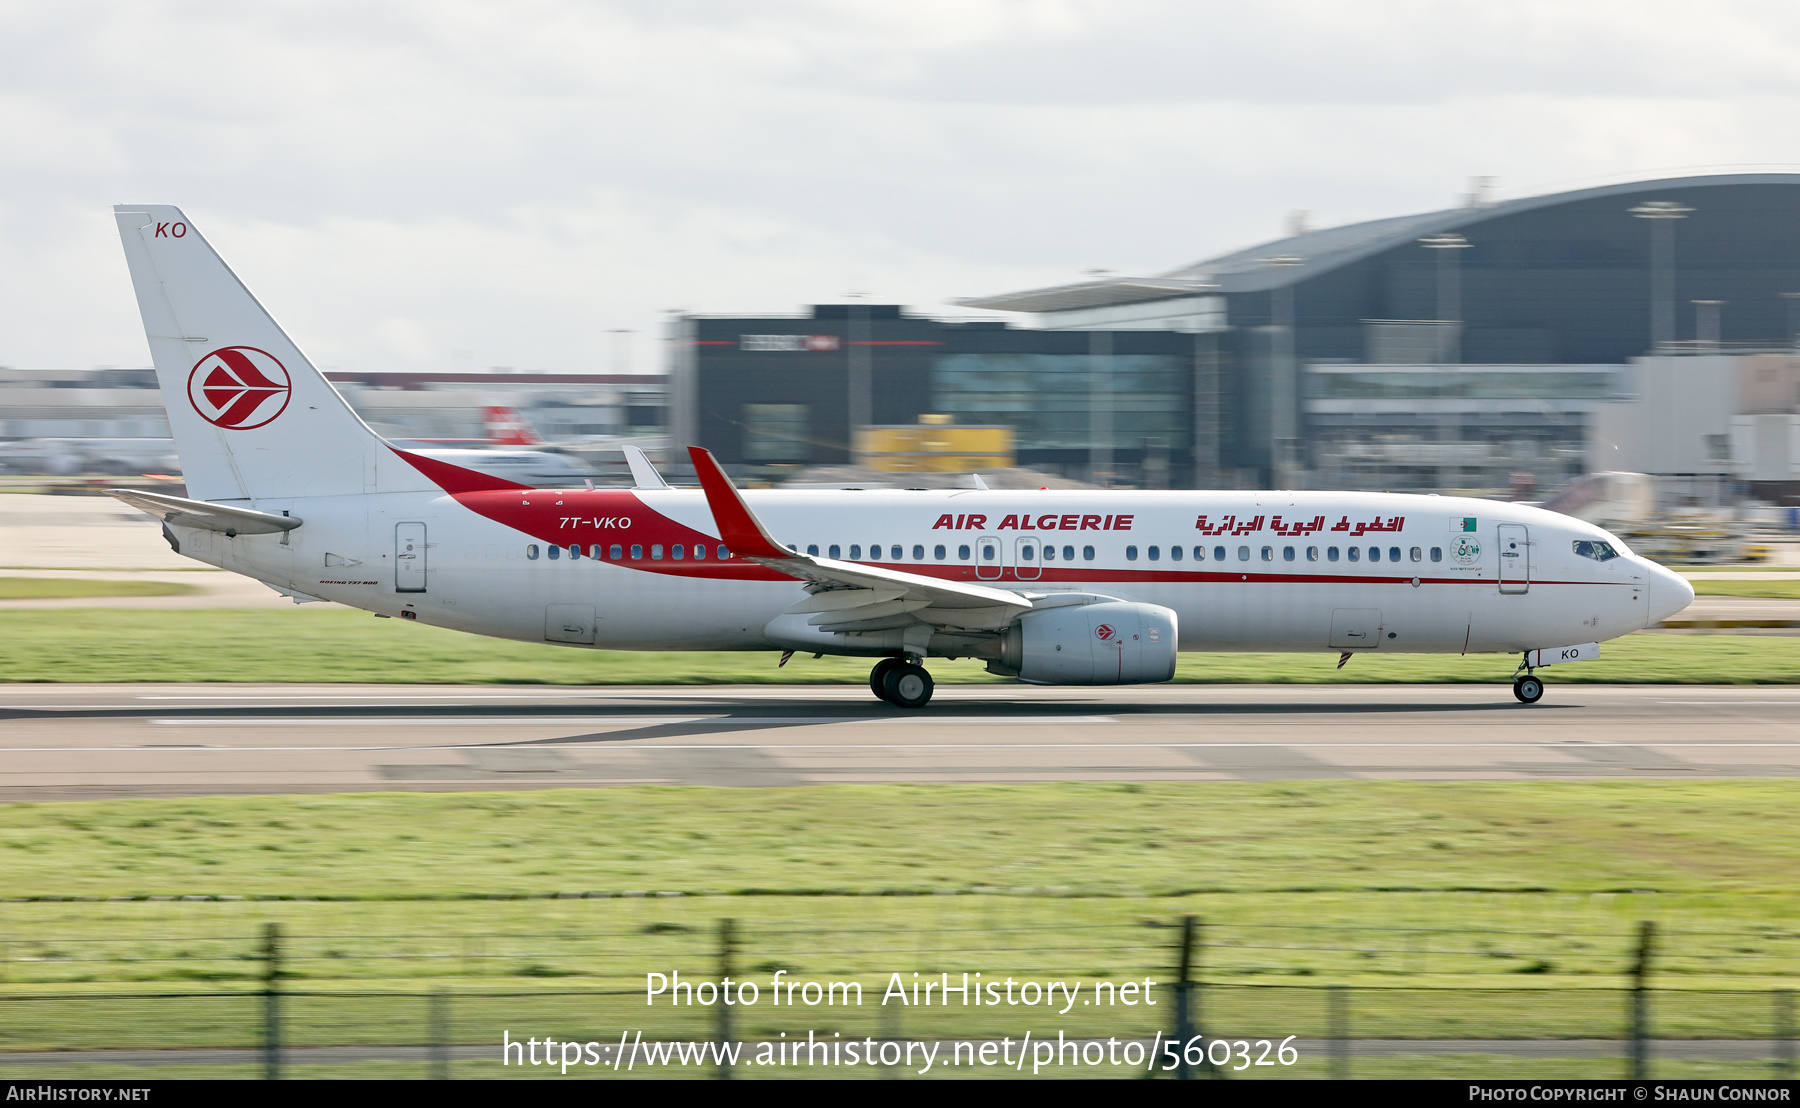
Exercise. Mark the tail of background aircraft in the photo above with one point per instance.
(508, 427)
(251, 417)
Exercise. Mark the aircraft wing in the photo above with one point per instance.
(846, 596)
(183, 512)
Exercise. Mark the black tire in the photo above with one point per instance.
(1528, 689)
(908, 686)
(878, 676)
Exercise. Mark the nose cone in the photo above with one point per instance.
(1669, 593)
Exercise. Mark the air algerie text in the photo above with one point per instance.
(1025, 521)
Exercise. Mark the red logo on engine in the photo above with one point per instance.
(1104, 632)
(239, 387)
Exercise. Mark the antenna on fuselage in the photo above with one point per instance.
(643, 474)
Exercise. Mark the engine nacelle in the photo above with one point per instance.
(1110, 643)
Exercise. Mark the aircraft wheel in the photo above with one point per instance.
(908, 686)
(878, 676)
(1528, 689)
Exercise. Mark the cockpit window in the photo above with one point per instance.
(1599, 551)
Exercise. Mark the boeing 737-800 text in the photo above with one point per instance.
(288, 486)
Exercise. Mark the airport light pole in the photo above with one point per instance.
(1284, 377)
(1793, 314)
(1706, 325)
(1449, 291)
(861, 401)
(1662, 215)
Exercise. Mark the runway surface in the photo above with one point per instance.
(87, 741)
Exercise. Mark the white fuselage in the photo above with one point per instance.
(1272, 571)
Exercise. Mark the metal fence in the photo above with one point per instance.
(276, 1015)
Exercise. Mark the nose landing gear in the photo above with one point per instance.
(1528, 689)
(901, 682)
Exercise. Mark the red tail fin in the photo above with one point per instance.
(509, 427)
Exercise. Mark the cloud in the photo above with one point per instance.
(455, 184)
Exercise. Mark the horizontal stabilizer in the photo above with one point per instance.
(182, 512)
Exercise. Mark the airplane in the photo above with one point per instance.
(1102, 587)
(65, 457)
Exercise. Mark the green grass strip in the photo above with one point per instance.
(303, 645)
(1159, 839)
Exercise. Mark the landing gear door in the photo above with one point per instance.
(990, 558)
(409, 557)
(1515, 558)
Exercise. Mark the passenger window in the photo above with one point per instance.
(1218, 553)
(1131, 553)
(918, 553)
(794, 548)
(1025, 552)
(896, 554)
(1355, 553)
(656, 551)
(1312, 553)
(1417, 554)
(1174, 553)
(834, 551)
(1331, 554)
(1287, 553)
(595, 552)
(812, 548)
(1393, 553)
(637, 552)
(1374, 553)
(1156, 553)
(1068, 553)
(990, 552)
(1087, 553)
(938, 552)
(555, 553)
(1437, 553)
(874, 552)
(678, 552)
(615, 552)
(574, 552)
(1049, 553)
(1268, 553)
(531, 551)
(724, 552)
(1243, 553)
(855, 552)
(962, 552)
(1199, 553)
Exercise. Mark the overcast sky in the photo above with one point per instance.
(452, 185)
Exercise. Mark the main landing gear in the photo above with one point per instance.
(1527, 687)
(901, 682)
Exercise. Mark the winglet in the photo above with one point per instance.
(738, 526)
(643, 474)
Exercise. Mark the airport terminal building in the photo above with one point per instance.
(1466, 348)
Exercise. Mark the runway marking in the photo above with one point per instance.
(574, 721)
(1538, 746)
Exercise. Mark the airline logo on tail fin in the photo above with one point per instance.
(239, 388)
(509, 427)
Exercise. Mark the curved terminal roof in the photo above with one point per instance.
(1295, 259)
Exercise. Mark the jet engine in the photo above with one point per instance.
(1109, 643)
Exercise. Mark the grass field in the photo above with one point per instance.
(1451, 910)
(1782, 590)
(107, 645)
(60, 588)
